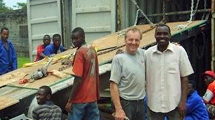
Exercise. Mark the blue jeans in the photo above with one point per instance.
(84, 111)
(134, 109)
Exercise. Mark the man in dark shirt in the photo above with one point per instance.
(46, 109)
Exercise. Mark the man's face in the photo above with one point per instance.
(4, 35)
(132, 42)
(57, 41)
(190, 89)
(162, 35)
(208, 79)
(77, 39)
(46, 40)
(42, 97)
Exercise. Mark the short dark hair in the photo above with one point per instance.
(46, 36)
(47, 89)
(79, 30)
(161, 25)
(4, 28)
(56, 35)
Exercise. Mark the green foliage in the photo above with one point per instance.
(3, 8)
(22, 6)
(22, 60)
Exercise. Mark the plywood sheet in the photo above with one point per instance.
(49, 81)
(6, 102)
(13, 77)
(111, 40)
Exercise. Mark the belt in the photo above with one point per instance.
(141, 100)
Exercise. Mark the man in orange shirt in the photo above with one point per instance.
(209, 97)
(82, 103)
(41, 47)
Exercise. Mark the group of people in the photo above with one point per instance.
(49, 49)
(82, 103)
(8, 57)
(158, 74)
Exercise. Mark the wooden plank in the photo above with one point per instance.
(6, 102)
(49, 81)
(108, 41)
(13, 77)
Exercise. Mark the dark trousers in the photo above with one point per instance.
(172, 115)
(134, 109)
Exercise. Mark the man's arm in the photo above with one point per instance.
(208, 94)
(13, 57)
(42, 55)
(182, 104)
(75, 87)
(34, 115)
(119, 112)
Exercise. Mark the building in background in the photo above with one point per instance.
(16, 22)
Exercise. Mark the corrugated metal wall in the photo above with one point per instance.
(149, 7)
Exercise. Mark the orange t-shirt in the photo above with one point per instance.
(85, 65)
(211, 87)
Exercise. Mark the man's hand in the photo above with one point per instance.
(68, 107)
(120, 114)
(182, 110)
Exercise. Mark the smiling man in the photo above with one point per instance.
(46, 109)
(127, 81)
(167, 68)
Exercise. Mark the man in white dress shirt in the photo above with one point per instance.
(167, 68)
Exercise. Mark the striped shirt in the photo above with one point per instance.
(47, 111)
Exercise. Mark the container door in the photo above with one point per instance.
(44, 17)
(96, 17)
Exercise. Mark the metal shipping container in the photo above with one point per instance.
(97, 17)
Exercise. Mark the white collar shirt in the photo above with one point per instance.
(163, 76)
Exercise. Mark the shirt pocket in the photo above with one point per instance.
(173, 68)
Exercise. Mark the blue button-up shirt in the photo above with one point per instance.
(8, 58)
(49, 50)
(196, 109)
